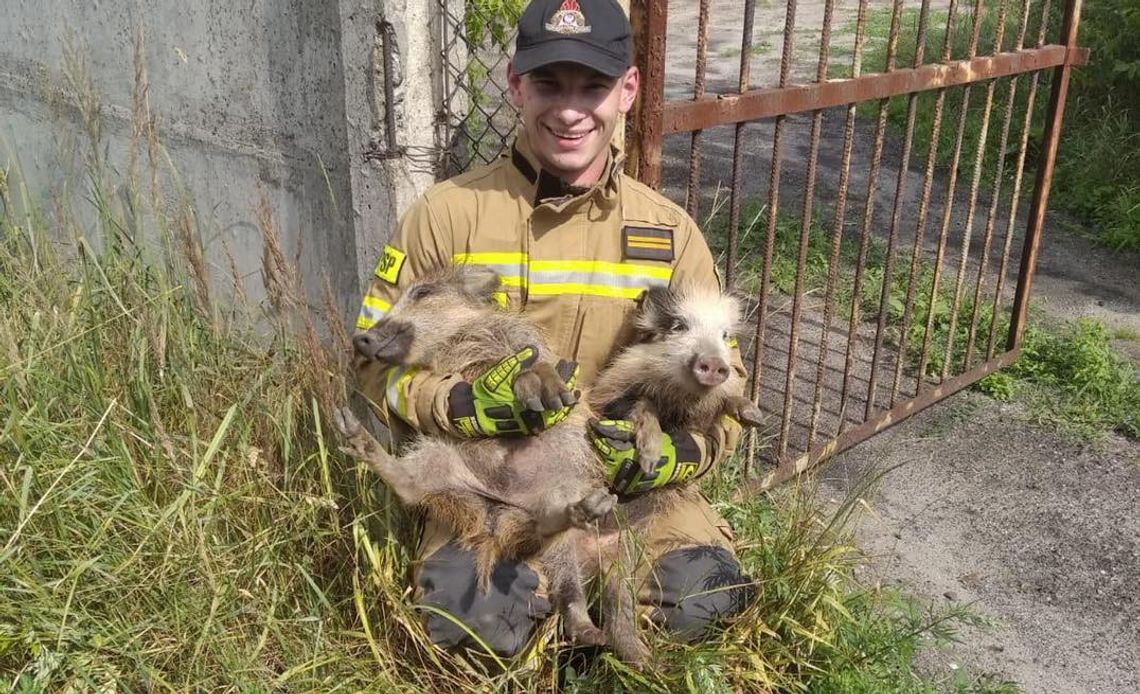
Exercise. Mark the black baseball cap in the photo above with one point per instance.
(594, 33)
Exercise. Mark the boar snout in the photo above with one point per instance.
(710, 370)
(389, 341)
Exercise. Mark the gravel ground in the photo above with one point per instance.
(1033, 529)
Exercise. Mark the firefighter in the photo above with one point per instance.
(576, 242)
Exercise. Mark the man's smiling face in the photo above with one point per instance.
(569, 112)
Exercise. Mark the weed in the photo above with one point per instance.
(1081, 383)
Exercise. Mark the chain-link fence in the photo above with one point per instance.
(476, 115)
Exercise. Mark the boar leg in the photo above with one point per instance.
(541, 388)
(564, 507)
(431, 467)
(618, 607)
(648, 428)
(744, 411)
(560, 564)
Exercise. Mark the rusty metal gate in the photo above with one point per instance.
(854, 330)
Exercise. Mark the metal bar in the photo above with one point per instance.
(995, 200)
(773, 206)
(948, 207)
(648, 19)
(772, 102)
(1015, 196)
(976, 179)
(837, 231)
(900, 188)
(805, 234)
(868, 216)
(693, 192)
(860, 37)
(1057, 97)
(737, 149)
(923, 211)
(789, 468)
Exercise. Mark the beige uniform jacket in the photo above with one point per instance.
(573, 261)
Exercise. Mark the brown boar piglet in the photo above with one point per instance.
(512, 497)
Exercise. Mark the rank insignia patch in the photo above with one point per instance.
(390, 263)
(647, 243)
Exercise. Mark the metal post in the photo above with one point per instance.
(648, 19)
(1061, 74)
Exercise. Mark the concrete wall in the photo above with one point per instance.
(280, 96)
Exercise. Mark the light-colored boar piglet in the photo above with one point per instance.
(677, 375)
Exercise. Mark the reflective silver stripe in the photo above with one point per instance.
(596, 278)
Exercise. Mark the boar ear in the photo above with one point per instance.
(478, 281)
(658, 309)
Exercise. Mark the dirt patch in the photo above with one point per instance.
(1027, 526)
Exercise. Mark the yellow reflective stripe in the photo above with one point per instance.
(513, 281)
(602, 267)
(397, 379)
(371, 311)
(654, 246)
(490, 258)
(650, 240)
(377, 303)
(590, 289)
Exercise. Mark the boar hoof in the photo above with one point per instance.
(752, 416)
(592, 507)
(345, 422)
(357, 442)
(633, 652)
(745, 412)
(588, 636)
(648, 450)
(541, 388)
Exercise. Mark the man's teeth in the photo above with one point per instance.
(569, 136)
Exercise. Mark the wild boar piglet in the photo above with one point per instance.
(677, 375)
(512, 497)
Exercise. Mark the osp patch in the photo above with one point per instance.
(390, 263)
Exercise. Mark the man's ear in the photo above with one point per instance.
(630, 84)
(514, 84)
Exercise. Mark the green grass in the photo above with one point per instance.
(175, 515)
(1074, 379)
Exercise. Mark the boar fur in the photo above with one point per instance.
(504, 497)
(677, 375)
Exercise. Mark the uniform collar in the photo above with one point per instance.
(551, 188)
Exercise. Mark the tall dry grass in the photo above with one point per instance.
(174, 514)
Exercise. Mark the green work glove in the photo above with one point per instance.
(488, 407)
(682, 455)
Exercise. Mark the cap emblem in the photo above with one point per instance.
(568, 19)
